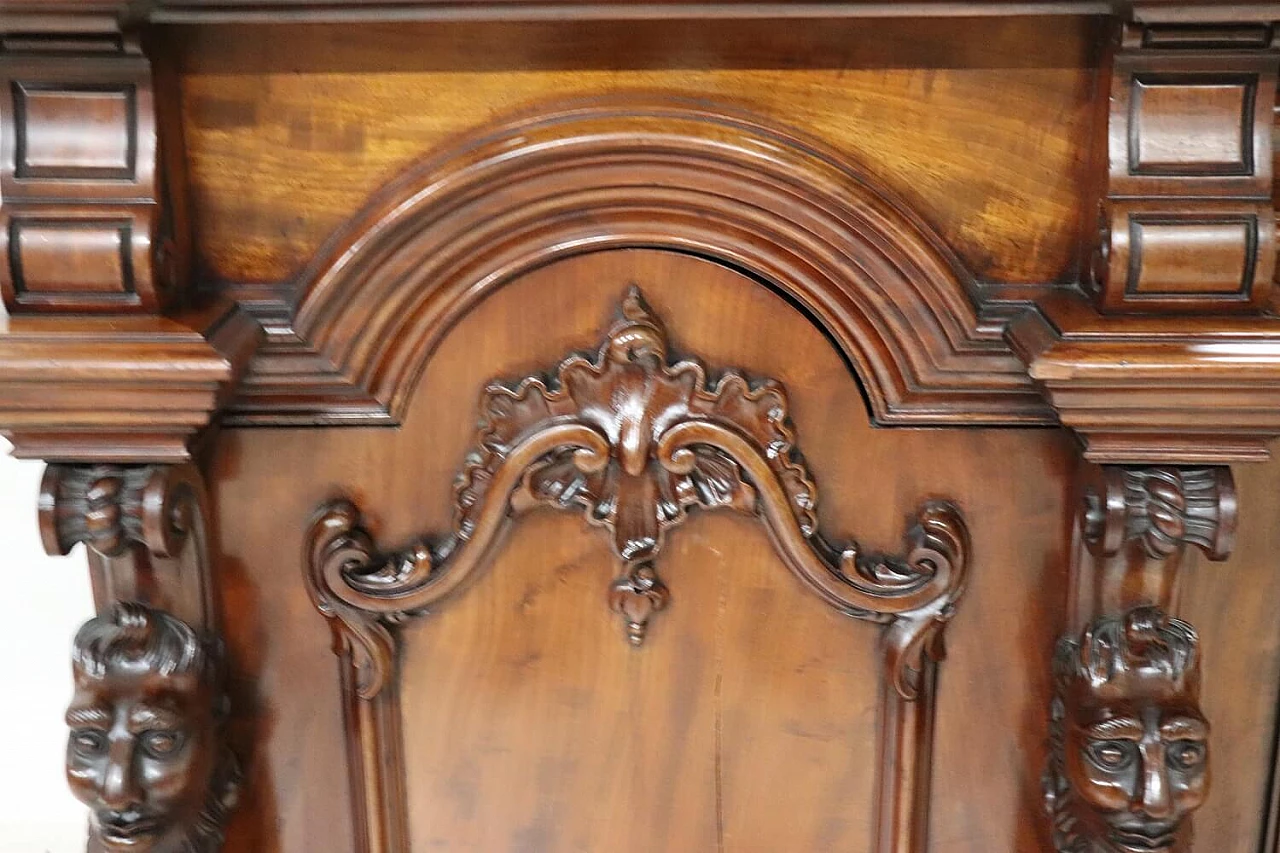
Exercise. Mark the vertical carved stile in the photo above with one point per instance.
(635, 441)
(1129, 751)
(153, 652)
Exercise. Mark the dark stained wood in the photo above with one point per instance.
(634, 171)
(147, 752)
(137, 389)
(87, 221)
(749, 328)
(1154, 389)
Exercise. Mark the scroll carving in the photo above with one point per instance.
(1128, 757)
(635, 441)
(109, 507)
(146, 752)
(1165, 508)
(1129, 745)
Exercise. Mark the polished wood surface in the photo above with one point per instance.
(1000, 271)
(897, 97)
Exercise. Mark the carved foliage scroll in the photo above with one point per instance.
(635, 441)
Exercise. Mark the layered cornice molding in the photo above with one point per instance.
(208, 11)
(103, 15)
(100, 226)
(1139, 389)
(634, 172)
(120, 389)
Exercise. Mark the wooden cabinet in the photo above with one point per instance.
(546, 427)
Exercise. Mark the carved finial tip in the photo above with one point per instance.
(634, 307)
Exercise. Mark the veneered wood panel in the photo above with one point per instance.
(290, 130)
(747, 719)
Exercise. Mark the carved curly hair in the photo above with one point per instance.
(1143, 637)
(131, 635)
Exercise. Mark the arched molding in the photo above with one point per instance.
(628, 173)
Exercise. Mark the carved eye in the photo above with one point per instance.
(1110, 754)
(161, 744)
(89, 743)
(1186, 754)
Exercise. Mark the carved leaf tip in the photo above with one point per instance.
(634, 307)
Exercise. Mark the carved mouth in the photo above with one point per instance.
(1149, 839)
(126, 830)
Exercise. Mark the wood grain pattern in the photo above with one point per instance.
(80, 15)
(1154, 389)
(639, 441)
(584, 176)
(1188, 214)
(889, 208)
(87, 222)
(558, 631)
(896, 98)
(137, 389)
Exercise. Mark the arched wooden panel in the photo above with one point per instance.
(630, 172)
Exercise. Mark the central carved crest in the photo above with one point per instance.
(641, 479)
(636, 441)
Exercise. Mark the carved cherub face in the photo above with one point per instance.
(142, 747)
(1135, 751)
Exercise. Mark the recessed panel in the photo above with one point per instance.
(1192, 126)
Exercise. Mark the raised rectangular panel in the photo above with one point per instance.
(1204, 256)
(1192, 125)
(75, 132)
(76, 262)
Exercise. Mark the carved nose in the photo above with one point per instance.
(119, 790)
(1156, 801)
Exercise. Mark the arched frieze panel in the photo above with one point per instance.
(626, 173)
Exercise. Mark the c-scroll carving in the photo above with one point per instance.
(1165, 508)
(636, 440)
(1128, 759)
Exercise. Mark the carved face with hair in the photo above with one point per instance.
(143, 752)
(1130, 755)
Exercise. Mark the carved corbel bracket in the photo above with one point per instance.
(635, 441)
(1165, 508)
(1129, 751)
(147, 751)
(150, 664)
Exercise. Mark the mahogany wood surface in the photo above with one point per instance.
(743, 643)
(1001, 272)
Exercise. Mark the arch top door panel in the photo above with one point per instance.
(668, 428)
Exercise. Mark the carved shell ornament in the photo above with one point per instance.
(635, 441)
